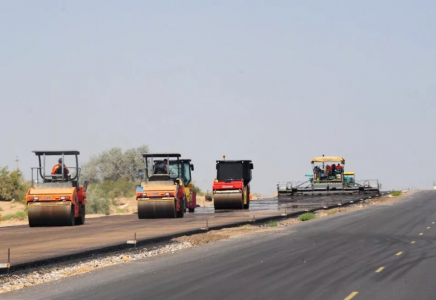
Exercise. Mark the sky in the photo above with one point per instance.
(277, 82)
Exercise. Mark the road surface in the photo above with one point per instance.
(383, 252)
(29, 245)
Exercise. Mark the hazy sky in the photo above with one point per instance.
(278, 82)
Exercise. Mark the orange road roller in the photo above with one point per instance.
(162, 191)
(56, 197)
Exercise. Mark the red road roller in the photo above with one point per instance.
(231, 188)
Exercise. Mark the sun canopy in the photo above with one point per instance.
(348, 173)
(161, 155)
(329, 159)
(58, 152)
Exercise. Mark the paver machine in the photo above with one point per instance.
(231, 188)
(56, 197)
(162, 191)
(328, 177)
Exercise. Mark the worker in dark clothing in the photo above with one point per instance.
(162, 167)
(333, 170)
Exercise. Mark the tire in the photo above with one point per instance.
(81, 219)
(181, 212)
(191, 210)
(72, 220)
(246, 198)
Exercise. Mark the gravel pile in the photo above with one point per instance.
(29, 277)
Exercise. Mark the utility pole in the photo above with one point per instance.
(16, 161)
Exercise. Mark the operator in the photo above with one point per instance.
(57, 169)
(339, 168)
(162, 167)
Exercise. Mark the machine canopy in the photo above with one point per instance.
(59, 152)
(164, 155)
(329, 159)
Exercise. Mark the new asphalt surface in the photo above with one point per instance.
(41, 244)
(383, 252)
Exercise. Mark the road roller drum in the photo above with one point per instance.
(228, 201)
(59, 215)
(153, 209)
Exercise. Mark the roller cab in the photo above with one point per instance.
(56, 198)
(231, 188)
(162, 191)
(191, 195)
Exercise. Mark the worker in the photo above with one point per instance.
(327, 171)
(333, 170)
(57, 169)
(162, 167)
(339, 168)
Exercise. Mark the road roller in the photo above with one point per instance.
(162, 190)
(56, 197)
(231, 188)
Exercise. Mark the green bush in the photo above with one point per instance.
(395, 193)
(12, 185)
(307, 217)
(101, 195)
(273, 224)
(112, 174)
(19, 215)
(114, 164)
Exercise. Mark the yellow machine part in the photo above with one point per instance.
(245, 195)
(156, 208)
(188, 193)
(51, 213)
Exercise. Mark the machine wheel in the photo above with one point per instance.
(181, 212)
(81, 219)
(246, 198)
(191, 210)
(72, 217)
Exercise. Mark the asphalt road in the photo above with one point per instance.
(384, 252)
(29, 245)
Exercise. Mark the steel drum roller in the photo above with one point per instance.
(152, 209)
(40, 215)
(228, 201)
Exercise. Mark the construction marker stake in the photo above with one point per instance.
(8, 264)
(207, 226)
(132, 242)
